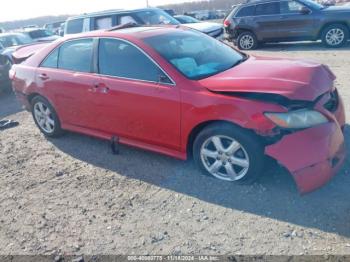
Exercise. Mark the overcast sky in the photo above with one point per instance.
(21, 9)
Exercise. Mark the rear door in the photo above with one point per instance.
(295, 22)
(66, 79)
(135, 98)
(267, 19)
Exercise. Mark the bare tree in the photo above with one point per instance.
(202, 5)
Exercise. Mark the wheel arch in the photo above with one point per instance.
(201, 126)
(319, 36)
(243, 29)
(250, 30)
(31, 96)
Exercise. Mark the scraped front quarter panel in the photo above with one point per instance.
(314, 155)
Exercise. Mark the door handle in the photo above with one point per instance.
(102, 88)
(44, 77)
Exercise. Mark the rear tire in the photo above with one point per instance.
(45, 117)
(238, 157)
(334, 36)
(247, 41)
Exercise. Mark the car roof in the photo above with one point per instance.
(31, 29)
(255, 2)
(11, 34)
(110, 12)
(136, 33)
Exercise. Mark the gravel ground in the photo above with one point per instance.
(71, 195)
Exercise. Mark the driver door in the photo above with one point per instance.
(297, 21)
(134, 98)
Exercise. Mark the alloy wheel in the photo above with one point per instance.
(44, 117)
(247, 42)
(224, 158)
(335, 36)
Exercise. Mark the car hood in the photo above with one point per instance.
(339, 8)
(205, 27)
(9, 50)
(293, 79)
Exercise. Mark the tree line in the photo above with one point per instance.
(202, 5)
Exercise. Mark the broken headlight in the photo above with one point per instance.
(303, 118)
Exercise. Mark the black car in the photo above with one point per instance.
(9, 43)
(287, 20)
(5, 66)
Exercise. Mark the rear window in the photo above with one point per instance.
(75, 26)
(76, 55)
(268, 9)
(246, 11)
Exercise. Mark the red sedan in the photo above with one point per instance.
(181, 93)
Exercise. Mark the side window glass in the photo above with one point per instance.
(246, 11)
(103, 22)
(291, 7)
(76, 55)
(120, 59)
(126, 19)
(52, 60)
(75, 26)
(268, 9)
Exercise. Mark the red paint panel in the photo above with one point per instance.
(295, 79)
(307, 147)
(314, 177)
(309, 154)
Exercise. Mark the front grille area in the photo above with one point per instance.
(333, 102)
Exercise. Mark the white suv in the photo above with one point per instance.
(108, 19)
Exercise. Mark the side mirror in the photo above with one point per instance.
(305, 11)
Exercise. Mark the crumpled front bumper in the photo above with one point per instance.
(314, 155)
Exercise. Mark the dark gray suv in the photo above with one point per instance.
(287, 20)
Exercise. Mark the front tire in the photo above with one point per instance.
(45, 117)
(229, 153)
(247, 41)
(335, 36)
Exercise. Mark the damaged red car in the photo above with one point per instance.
(178, 92)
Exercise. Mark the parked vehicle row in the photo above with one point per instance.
(179, 92)
(147, 16)
(207, 14)
(263, 21)
(56, 27)
(90, 22)
(11, 42)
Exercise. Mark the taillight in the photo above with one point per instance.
(12, 74)
(227, 23)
